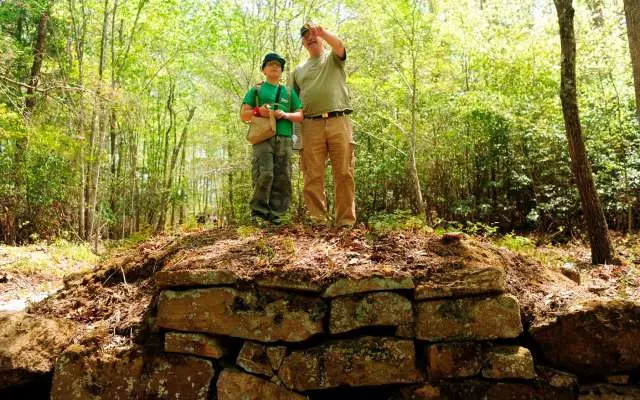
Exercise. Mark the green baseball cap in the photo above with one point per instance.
(273, 57)
(305, 28)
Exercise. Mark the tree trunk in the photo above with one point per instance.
(182, 213)
(22, 142)
(114, 147)
(274, 24)
(19, 25)
(79, 33)
(632, 14)
(601, 248)
(417, 190)
(159, 226)
(97, 133)
(231, 216)
(169, 179)
(133, 184)
(38, 55)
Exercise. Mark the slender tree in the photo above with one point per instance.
(22, 142)
(413, 38)
(632, 14)
(601, 248)
(78, 34)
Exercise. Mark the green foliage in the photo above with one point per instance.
(264, 251)
(382, 224)
(491, 152)
(245, 231)
(57, 259)
(515, 243)
(120, 245)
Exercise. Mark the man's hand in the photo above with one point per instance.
(279, 114)
(331, 39)
(318, 31)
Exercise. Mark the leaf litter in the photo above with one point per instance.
(113, 301)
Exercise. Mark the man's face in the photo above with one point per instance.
(312, 42)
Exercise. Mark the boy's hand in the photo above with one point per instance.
(264, 111)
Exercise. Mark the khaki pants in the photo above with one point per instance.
(332, 138)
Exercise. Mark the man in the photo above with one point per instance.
(326, 128)
(271, 165)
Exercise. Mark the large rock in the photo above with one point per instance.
(462, 282)
(366, 361)
(178, 377)
(468, 319)
(236, 385)
(597, 337)
(197, 344)
(196, 277)
(276, 282)
(253, 357)
(29, 346)
(276, 355)
(556, 378)
(263, 315)
(425, 391)
(618, 379)
(454, 360)
(481, 390)
(508, 362)
(83, 374)
(485, 390)
(347, 286)
(374, 309)
(609, 392)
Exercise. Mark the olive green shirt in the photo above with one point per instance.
(322, 84)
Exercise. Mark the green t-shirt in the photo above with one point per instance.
(267, 94)
(322, 84)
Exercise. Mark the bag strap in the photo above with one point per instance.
(258, 86)
(277, 103)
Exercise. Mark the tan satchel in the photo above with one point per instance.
(261, 128)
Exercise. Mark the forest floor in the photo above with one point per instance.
(112, 295)
(31, 273)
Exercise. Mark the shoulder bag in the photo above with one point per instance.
(262, 128)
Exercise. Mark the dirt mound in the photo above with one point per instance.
(115, 297)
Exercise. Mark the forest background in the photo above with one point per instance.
(121, 116)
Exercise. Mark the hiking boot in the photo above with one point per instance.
(276, 221)
(259, 221)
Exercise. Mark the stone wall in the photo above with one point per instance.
(368, 338)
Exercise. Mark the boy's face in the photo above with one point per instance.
(272, 70)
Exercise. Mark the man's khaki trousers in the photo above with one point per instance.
(332, 138)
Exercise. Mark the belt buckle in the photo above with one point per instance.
(325, 115)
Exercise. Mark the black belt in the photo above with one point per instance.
(331, 114)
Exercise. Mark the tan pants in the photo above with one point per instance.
(332, 137)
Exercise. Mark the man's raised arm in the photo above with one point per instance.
(332, 40)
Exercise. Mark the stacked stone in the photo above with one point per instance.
(457, 337)
(444, 339)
